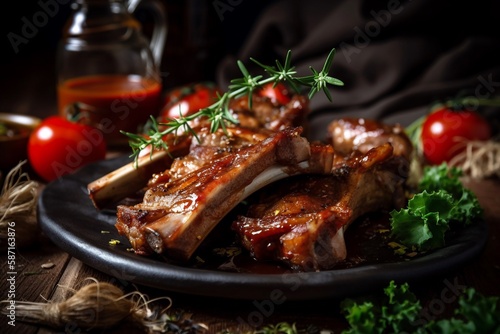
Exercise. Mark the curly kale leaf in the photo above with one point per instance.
(399, 311)
(442, 203)
(475, 314)
(396, 312)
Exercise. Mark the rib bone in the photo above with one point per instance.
(303, 225)
(132, 177)
(175, 218)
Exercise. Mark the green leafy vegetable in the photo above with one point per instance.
(443, 202)
(476, 314)
(442, 178)
(424, 222)
(398, 311)
(394, 313)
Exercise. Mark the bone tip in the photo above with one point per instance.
(154, 240)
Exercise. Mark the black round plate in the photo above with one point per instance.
(69, 219)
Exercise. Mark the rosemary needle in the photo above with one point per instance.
(219, 115)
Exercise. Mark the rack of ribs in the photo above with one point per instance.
(175, 217)
(303, 223)
(254, 124)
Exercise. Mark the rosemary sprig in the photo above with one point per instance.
(219, 115)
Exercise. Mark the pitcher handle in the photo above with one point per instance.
(159, 36)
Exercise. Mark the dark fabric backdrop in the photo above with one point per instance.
(395, 58)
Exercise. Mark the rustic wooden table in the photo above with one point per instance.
(28, 89)
(33, 283)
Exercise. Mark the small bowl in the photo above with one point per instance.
(15, 130)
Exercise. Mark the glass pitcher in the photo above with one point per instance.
(108, 68)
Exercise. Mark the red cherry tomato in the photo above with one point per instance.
(445, 133)
(58, 147)
(188, 99)
(277, 94)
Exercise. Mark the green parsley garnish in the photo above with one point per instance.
(394, 313)
(443, 202)
(398, 311)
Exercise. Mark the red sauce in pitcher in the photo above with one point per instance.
(113, 102)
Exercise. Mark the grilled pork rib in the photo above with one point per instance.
(174, 218)
(265, 114)
(208, 147)
(360, 134)
(303, 225)
(263, 119)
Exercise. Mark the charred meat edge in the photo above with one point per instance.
(131, 178)
(315, 240)
(176, 217)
